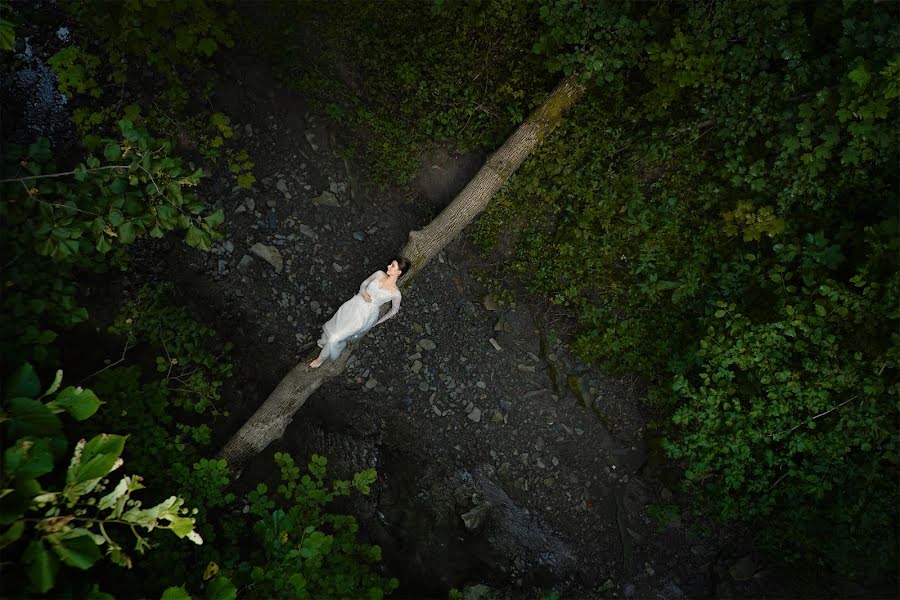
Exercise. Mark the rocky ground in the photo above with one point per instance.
(502, 459)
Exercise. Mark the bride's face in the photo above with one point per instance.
(393, 269)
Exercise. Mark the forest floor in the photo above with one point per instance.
(454, 394)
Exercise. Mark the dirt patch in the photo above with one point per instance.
(443, 174)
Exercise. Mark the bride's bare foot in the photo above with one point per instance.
(316, 363)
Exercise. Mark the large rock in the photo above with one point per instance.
(512, 535)
(269, 254)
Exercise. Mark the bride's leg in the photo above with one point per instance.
(326, 350)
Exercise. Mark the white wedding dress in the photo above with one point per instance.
(356, 317)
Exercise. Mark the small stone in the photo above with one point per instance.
(505, 406)
(490, 303)
(307, 231)
(497, 416)
(480, 384)
(222, 265)
(246, 263)
(250, 203)
(371, 383)
(270, 339)
(248, 130)
(359, 235)
(281, 186)
(526, 368)
(416, 366)
(549, 481)
(475, 517)
(539, 444)
(269, 254)
(326, 198)
(426, 344)
(475, 415)
(495, 344)
(503, 469)
(240, 209)
(423, 386)
(271, 203)
(228, 245)
(337, 268)
(311, 139)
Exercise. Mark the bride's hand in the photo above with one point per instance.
(366, 296)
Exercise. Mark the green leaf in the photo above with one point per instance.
(80, 552)
(28, 459)
(96, 594)
(860, 75)
(12, 534)
(207, 46)
(221, 588)
(98, 457)
(31, 417)
(215, 219)
(80, 172)
(127, 232)
(57, 380)
(197, 238)
(103, 245)
(115, 217)
(181, 526)
(79, 403)
(41, 566)
(23, 383)
(720, 314)
(7, 36)
(118, 185)
(246, 180)
(175, 593)
(112, 151)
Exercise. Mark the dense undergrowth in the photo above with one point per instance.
(720, 211)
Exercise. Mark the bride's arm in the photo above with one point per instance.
(395, 308)
(369, 280)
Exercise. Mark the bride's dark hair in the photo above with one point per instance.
(403, 265)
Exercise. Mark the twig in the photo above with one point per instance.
(779, 480)
(822, 414)
(107, 366)
(63, 174)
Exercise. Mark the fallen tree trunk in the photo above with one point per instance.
(269, 422)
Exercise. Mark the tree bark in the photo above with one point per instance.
(269, 422)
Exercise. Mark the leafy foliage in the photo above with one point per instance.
(74, 521)
(305, 552)
(57, 222)
(193, 368)
(76, 71)
(715, 213)
(7, 28)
